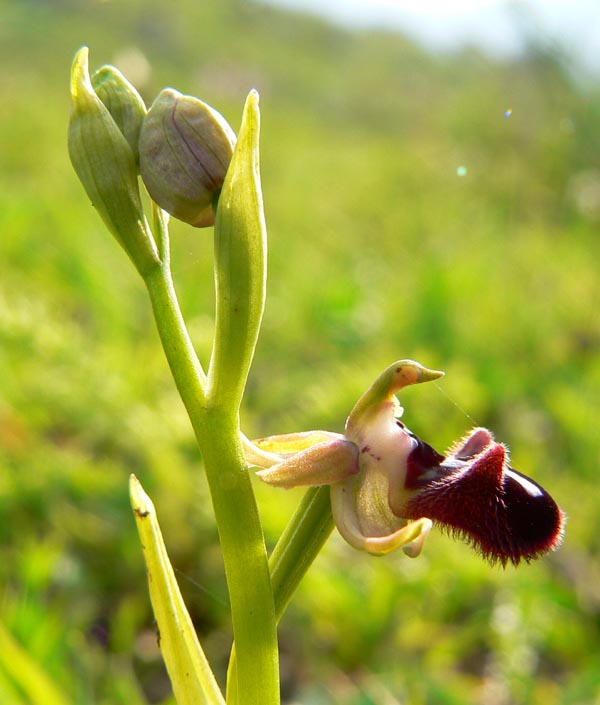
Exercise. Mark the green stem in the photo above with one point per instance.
(186, 369)
(238, 522)
(298, 546)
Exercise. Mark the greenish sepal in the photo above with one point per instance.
(105, 165)
(271, 450)
(192, 679)
(185, 150)
(123, 102)
(240, 265)
(322, 464)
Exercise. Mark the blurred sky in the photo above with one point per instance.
(501, 27)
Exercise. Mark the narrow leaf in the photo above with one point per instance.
(27, 673)
(192, 679)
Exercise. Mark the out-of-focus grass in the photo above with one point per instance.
(378, 250)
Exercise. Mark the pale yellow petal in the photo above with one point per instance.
(410, 536)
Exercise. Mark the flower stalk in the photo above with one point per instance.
(213, 411)
(106, 163)
(236, 514)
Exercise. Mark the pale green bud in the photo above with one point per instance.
(105, 165)
(185, 151)
(124, 103)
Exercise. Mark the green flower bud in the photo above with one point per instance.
(124, 103)
(105, 165)
(185, 150)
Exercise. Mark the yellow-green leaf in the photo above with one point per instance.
(192, 679)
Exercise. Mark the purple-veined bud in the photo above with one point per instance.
(185, 149)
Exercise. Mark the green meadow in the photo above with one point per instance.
(444, 208)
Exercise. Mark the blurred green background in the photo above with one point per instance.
(378, 250)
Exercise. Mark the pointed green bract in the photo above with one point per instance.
(240, 265)
(105, 165)
(192, 679)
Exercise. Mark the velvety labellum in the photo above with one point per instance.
(503, 513)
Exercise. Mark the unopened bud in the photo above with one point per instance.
(185, 150)
(106, 167)
(124, 103)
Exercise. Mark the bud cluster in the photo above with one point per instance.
(181, 148)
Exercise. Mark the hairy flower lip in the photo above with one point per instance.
(476, 495)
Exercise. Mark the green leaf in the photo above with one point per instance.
(27, 674)
(192, 679)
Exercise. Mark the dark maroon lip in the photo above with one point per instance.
(531, 515)
(422, 465)
(477, 496)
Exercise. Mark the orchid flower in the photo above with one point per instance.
(388, 487)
